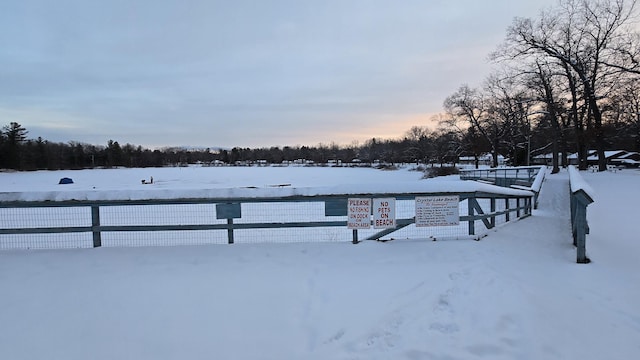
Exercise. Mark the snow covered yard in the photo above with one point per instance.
(516, 294)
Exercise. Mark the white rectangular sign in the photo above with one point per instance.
(359, 213)
(437, 210)
(384, 213)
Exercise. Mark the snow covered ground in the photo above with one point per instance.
(516, 294)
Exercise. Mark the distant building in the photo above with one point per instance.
(612, 157)
(484, 159)
(544, 159)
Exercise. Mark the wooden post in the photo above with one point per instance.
(355, 236)
(580, 238)
(230, 230)
(580, 227)
(506, 207)
(493, 210)
(229, 211)
(95, 224)
(472, 221)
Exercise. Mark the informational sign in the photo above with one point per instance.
(437, 210)
(359, 213)
(384, 213)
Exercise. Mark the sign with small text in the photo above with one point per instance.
(359, 213)
(437, 210)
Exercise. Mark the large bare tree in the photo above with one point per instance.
(590, 41)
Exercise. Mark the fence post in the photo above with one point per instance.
(493, 210)
(95, 226)
(573, 205)
(506, 208)
(229, 211)
(580, 226)
(470, 212)
(230, 230)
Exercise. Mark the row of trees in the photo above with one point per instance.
(20, 153)
(568, 82)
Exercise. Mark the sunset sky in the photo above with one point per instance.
(241, 73)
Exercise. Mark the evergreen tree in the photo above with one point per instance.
(13, 136)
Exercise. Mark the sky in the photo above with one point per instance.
(241, 73)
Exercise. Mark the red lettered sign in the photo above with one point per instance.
(384, 213)
(359, 213)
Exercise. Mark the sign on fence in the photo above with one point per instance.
(437, 210)
(384, 213)
(359, 213)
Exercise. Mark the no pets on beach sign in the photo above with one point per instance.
(384, 213)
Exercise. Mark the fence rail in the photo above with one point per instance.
(84, 223)
(522, 177)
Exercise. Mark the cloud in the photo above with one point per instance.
(241, 72)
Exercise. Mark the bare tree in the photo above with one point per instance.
(510, 104)
(547, 85)
(588, 39)
(623, 113)
(474, 107)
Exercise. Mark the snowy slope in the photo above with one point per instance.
(517, 294)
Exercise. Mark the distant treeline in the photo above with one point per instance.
(445, 145)
(20, 153)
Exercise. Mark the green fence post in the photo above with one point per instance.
(493, 210)
(581, 228)
(95, 226)
(506, 209)
(229, 211)
(470, 212)
(230, 230)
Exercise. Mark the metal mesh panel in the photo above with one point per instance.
(178, 214)
(20, 218)
(292, 235)
(282, 212)
(162, 238)
(46, 241)
(259, 222)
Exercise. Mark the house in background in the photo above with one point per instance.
(612, 157)
(629, 160)
(620, 158)
(483, 160)
(544, 159)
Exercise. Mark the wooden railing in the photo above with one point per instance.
(485, 207)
